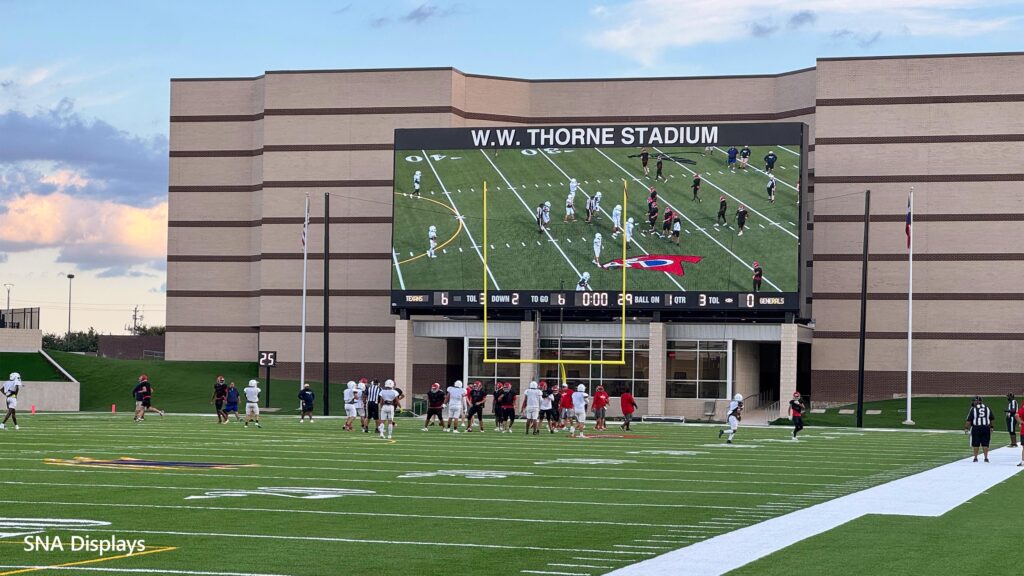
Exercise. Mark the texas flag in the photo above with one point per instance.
(910, 216)
(671, 263)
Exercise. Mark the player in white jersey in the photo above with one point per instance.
(361, 404)
(456, 401)
(616, 220)
(584, 284)
(351, 397)
(735, 414)
(545, 216)
(416, 182)
(579, 406)
(629, 233)
(252, 403)
(10, 391)
(388, 403)
(597, 249)
(432, 238)
(570, 207)
(531, 407)
(597, 203)
(547, 407)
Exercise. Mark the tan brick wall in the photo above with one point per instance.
(17, 340)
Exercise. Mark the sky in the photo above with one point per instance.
(84, 95)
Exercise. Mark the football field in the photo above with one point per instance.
(309, 499)
(521, 257)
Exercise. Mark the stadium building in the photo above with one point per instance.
(245, 152)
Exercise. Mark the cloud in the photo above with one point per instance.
(90, 233)
(162, 289)
(644, 30)
(341, 10)
(762, 29)
(3, 257)
(124, 272)
(380, 22)
(60, 150)
(419, 15)
(802, 18)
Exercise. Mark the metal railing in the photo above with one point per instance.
(20, 318)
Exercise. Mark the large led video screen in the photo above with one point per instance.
(709, 215)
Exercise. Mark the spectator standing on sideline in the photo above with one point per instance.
(600, 407)
(231, 403)
(306, 397)
(979, 422)
(628, 405)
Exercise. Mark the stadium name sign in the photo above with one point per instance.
(606, 136)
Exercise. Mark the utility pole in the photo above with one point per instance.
(136, 320)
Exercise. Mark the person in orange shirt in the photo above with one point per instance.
(600, 407)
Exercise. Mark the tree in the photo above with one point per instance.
(79, 341)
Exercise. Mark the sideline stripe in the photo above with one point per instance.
(140, 570)
(67, 566)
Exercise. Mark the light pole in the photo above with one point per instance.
(68, 340)
(8, 286)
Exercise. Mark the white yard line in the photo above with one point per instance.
(460, 217)
(398, 268)
(930, 493)
(334, 513)
(680, 212)
(533, 214)
(797, 154)
(580, 188)
(723, 191)
(765, 173)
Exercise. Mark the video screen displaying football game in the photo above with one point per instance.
(709, 216)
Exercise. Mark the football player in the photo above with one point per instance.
(477, 399)
(722, 207)
(435, 406)
(388, 401)
(579, 407)
(10, 391)
(547, 411)
(741, 218)
(591, 208)
(666, 224)
(545, 216)
(629, 233)
(735, 414)
(351, 399)
(616, 220)
(696, 187)
(770, 188)
(220, 393)
(306, 397)
(677, 227)
(644, 157)
(796, 413)
(744, 156)
(531, 407)
(455, 398)
(769, 162)
(361, 405)
(570, 207)
(584, 284)
(416, 183)
(597, 203)
(432, 238)
(252, 403)
(597, 249)
(758, 274)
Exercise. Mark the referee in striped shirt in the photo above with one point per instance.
(1011, 418)
(979, 421)
(372, 398)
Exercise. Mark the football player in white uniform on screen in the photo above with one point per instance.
(616, 220)
(597, 249)
(432, 238)
(584, 284)
(629, 233)
(545, 216)
(416, 183)
(570, 208)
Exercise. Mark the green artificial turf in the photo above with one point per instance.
(971, 539)
(521, 258)
(928, 413)
(667, 487)
(31, 365)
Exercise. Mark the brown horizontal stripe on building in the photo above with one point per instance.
(512, 119)
(214, 153)
(217, 188)
(925, 257)
(901, 100)
(277, 220)
(912, 178)
(215, 329)
(328, 183)
(343, 292)
(961, 217)
(851, 334)
(902, 296)
(841, 385)
(333, 329)
(276, 256)
(327, 147)
(937, 139)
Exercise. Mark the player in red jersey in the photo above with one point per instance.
(628, 405)
(600, 407)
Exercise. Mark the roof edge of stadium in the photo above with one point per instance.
(493, 77)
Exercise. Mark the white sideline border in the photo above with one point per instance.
(930, 493)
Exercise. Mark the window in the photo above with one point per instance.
(696, 369)
(616, 379)
(491, 373)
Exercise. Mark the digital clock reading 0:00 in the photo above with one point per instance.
(592, 299)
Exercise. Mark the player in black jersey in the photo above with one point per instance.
(644, 157)
(769, 162)
(770, 188)
(741, 218)
(796, 413)
(722, 207)
(758, 274)
(744, 156)
(220, 394)
(666, 223)
(696, 187)
(477, 399)
(657, 174)
(435, 405)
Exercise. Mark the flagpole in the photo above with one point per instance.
(910, 308)
(302, 331)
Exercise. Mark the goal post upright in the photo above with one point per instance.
(562, 363)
